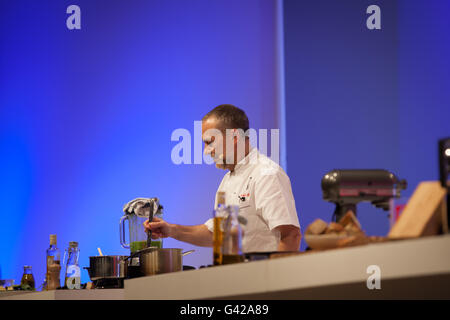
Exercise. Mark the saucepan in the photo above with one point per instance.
(107, 267)
(155, 260)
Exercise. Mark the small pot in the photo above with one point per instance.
(107, 267)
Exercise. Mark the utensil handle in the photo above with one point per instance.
(187, 252)
(122, 232)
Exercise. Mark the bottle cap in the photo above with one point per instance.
(220, 197)
(27, 267)
(73, 244)
(53, 239)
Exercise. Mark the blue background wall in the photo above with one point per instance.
(86, 116)
(424, 86)
(341, 99)
(359, 98)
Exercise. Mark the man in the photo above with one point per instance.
(259, 186)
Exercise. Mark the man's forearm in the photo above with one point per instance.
(290, 237)
(290, 243)
(198, 235)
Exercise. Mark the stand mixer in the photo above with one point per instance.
(346, 188)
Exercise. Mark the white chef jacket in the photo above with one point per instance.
(262, 190)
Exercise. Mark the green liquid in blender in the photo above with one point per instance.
(139, 245)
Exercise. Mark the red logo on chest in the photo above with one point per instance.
(244, 196)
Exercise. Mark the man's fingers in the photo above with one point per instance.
(146, 223)
(155, 225)
(156, 235)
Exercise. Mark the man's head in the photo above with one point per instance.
(225, 123)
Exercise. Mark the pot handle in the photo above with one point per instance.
(136, 253)
(122, 232)
(187, 252)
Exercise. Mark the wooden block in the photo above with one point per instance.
(424, 213)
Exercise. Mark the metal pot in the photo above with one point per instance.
(107, 267)
(160, 260)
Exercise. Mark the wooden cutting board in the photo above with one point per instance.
(425, 213)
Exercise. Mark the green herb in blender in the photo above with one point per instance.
(139, 245)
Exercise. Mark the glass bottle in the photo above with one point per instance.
(52, 276)
(227, 233)
(219, 213)
(27, 278)
(72, 273)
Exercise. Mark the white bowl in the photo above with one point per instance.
(324, 241)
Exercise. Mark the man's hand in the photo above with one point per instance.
(290, 237)
(198, 235)
(159, 228)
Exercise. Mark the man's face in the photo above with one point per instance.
(215, 141)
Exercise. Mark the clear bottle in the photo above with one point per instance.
(27, 278)
(52, 276)
(72, 273)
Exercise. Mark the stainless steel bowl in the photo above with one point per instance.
(107, 267)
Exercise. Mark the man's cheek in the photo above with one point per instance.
(208, 150)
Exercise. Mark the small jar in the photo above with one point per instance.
(27, 278)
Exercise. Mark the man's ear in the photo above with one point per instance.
(235, 136)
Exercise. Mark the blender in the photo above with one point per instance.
(137, 235)
(136, 214)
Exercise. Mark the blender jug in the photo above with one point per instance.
(136, 231)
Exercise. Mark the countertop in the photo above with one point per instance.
(409, 269)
